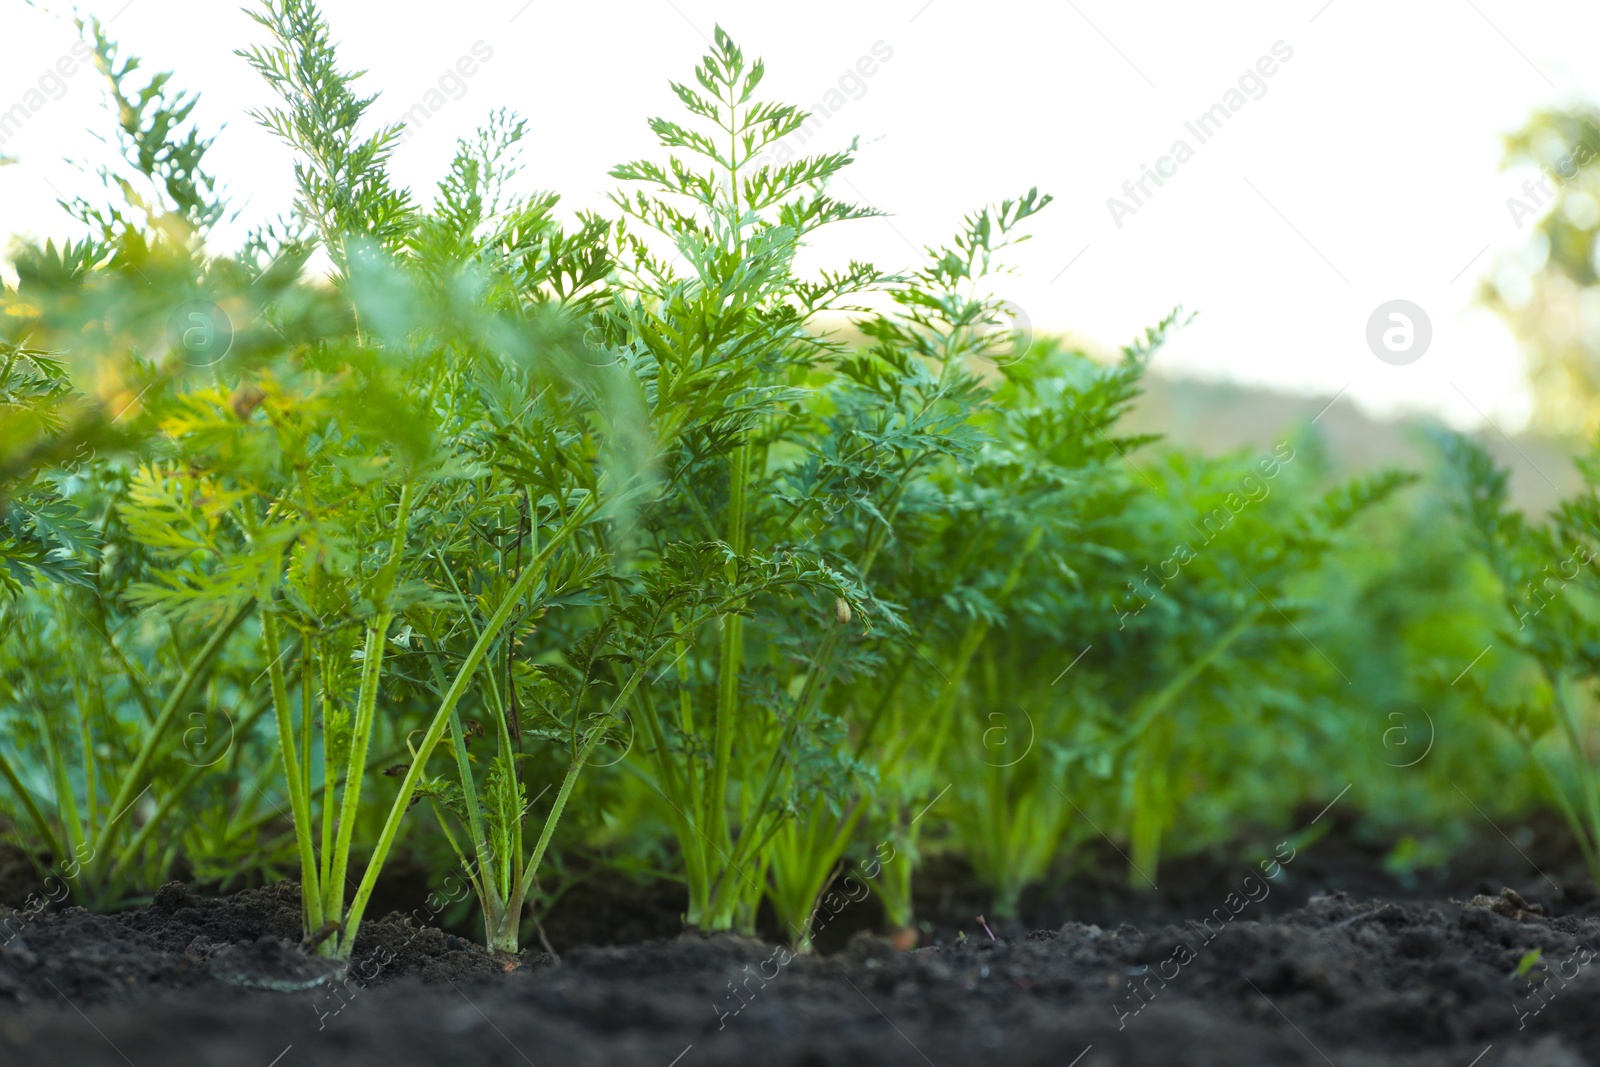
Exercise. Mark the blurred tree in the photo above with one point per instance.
(1549, 291)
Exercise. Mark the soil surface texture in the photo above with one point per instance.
(1312, 956)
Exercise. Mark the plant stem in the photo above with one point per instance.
(1157, 702)
(366, 709)
(441, 719)
(50, 839)
(361, 734)
(299, 796)
(330, 793)
(66, 803)
(729, 664)
(308, 673)
(509, 940)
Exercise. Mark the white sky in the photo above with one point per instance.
(1369, 171)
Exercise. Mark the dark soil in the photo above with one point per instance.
(1334, 960)
(19, 875)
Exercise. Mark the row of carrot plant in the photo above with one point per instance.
(541, 545)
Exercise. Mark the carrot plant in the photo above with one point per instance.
(912, 417)
(1223, 613)
(1547, 583)
(285, 487)
(464, 400)
(731, 362)
(1052, 504)
(1033, 713)
(125, 709)
(433, 497)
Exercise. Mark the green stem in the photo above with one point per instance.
(476, 825)
(66, 803)
(885, 701)
(299, 797)
(695, 858)
(330, 793)
(383, 759)
(1153, 705)
(580, 758)
(366, 708)
(51, 841)
(507, 940)
(441, 719)
(729, 664)
(474, 874)
(132, 674)
(308, 694)
(484, 853)
(355, 768)
(86, 743)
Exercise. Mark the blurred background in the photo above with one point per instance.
(1381, 159)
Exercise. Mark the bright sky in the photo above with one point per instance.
(1364, 169)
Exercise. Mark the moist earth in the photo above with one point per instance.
(1286, 970)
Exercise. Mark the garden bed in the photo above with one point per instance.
(451, 553)
(1301, 972)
